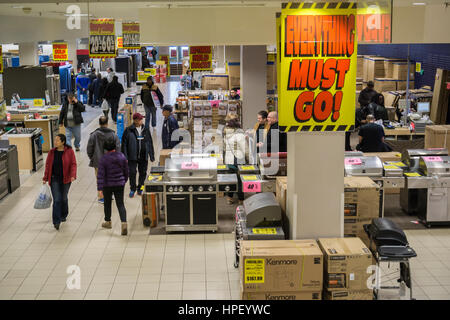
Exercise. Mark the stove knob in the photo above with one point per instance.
(227, 188)
(170, 189)
(210, 188)
(180, 189)
(191, 188)
(200, 189)
(175, 189)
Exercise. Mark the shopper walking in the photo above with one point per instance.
(186, 81)
(154, 53)
(110, 74)
(70, 116)
(261, 128)
(137, 146)
(169, 126)
(147, 92)
(114, 90)
(112, 177)
(96, 88)
(101, 96)
(234, 152)
(95, 147)
(269, 145)
(60, 172)
(366, 95)
(92, 77)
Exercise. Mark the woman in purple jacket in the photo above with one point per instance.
(112, 177)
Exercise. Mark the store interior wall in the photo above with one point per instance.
(431, 56)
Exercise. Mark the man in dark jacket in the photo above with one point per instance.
(114, 90)
(371, 137)
(137, 146)
(70, 116)
(272, 119)
(92, 77)
(154, 53)
(378, 108)
(169, 126)
(147, 99)
(95, 146)
(366, 95)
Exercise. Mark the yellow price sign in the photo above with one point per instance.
(221, 167)
(254, 270)
(249, 178)
(248, 168)
(412, 174)
(264, 231)
(150, 71)
(38, 102)
(155, 178)
(398, 164)
(390, 167)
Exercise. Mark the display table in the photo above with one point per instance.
(404, 133)
(49, 128)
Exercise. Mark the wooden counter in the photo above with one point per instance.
(402, 132)
(24, 151)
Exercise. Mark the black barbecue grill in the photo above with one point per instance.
(391, 245)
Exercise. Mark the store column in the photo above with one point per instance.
(253, 83)
(28, 53)
(72, 46)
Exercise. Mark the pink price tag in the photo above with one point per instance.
(214, 103)
(353, 161)
(8, 116)
(251, 186)
(432, 159)
(189, 165)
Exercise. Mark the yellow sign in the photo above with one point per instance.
(249, 178)
(150, 71)
(254, 270)
(102, 41)
(278, 57)
(119, 43)
(221, 167)
(200, 58)
(131, 35)
(412, 174)
(318, 67)
(38, 102)
(398, 164)
(1, 59)
(418, 67)
(390, 167)
(142, 76)
(160, 62)
(60, 51)
(155, 178)
(248, 168)
(264, 231)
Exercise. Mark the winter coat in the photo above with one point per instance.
(96, 87)
(146, 95)
(234, 146)
(112, 170)
(379, 111)
(365, 96)
(169, 126)
(114, 90)
(69, 165)
(135, 150)
(78, 108)
(282, 138)
(95, 146)
(102, 89)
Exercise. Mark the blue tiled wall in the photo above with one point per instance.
(431, 56)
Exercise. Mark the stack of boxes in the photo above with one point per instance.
(281, 270)
(374, 68)
(361, 205)
(347, 269)
(234, 75)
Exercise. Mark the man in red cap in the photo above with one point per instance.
(137, 146)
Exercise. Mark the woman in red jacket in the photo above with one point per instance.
(60, 172)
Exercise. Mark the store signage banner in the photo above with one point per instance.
(318, 67)
(102, 40)
(373, 22)
(119, 43)
(131, 35)
(60, 51)
(200, 58)
(1, 59)
(278, 57)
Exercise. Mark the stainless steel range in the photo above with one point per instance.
(3, 173)
(190, 186)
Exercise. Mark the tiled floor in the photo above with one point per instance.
(34, 258)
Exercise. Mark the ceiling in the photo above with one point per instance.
(125, 10)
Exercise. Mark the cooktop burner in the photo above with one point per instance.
(23, 131)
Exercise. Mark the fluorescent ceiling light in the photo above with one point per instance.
(17, 7)
(419, 4)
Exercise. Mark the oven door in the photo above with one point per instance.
(3, 179)
(178, 209)
(38, 160)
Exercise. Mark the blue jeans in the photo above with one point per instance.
(150, 111)
(76, 132)
(60, 201)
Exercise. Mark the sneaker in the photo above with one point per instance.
(57, 226)
(77, 149)
(132, 194)
(140, 193)
(102, 201)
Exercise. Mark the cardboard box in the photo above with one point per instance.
(385, 84)
(388, 98)
(385, 156)
(375, 68)
(234, 73)
(271, 76)
(389, 66)
(281, 265)
(302, 295)
(346, 261)
(360, 66)
(400, 71)
(215, 82)
(163, 155)
(349, 295)
(437, 136)
(361, 198)
(281, 192)
(401, 84)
